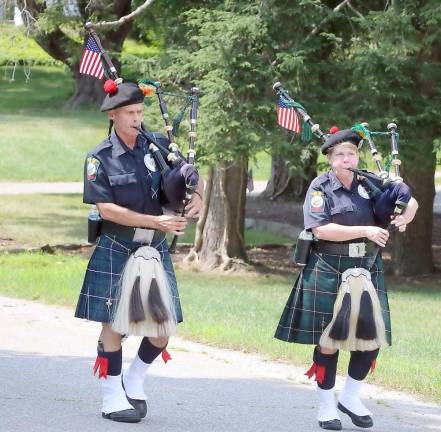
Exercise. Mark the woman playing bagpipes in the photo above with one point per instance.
(130, 285)
(339, 300)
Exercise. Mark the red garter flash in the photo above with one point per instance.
(165, 355)
(318, 371)
(373, 366)
(102, 366)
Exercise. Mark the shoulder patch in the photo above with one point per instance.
(92, 168)
(317, 202)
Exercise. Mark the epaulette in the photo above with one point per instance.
(101, 146)
(321, 179)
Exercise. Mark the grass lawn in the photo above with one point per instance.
(46, 142)
(244, 313)
(34, 220)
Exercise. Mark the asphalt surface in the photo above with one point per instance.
(46, 383)
(68, 188)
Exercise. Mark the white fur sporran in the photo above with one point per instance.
(145, 306)
(354, 282)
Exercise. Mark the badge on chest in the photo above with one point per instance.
(150, 163)
(362, 192)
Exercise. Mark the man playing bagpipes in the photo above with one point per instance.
(339, 301)
(130, 285)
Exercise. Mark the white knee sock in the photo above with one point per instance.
(349, 397)
(327, 406)
(114, 398)
(133, 379)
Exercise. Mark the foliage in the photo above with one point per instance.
(398, 56)
(16, 46)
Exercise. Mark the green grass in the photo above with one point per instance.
(35, 220)
(244, 313)
(15, 46)
(253, 237)
(46, 142)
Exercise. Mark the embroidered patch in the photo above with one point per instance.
(150, 162)
(92, 168)
(362, 192)
(317, 202)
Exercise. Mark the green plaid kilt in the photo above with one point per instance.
(310, 305)
(99, 294)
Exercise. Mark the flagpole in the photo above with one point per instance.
(111, 70)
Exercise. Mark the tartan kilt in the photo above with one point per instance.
(310, 305)
(100, 291)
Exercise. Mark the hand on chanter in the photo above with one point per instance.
(171, 224)
(401, 221)
(377, 235)
(195, 205)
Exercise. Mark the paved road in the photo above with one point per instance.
(67, 188)
(46, 385)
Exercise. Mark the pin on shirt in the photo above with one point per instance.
(150, 162)
(362, 192)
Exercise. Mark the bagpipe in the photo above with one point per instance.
(357, 323)
(179, 175)
(389, 194)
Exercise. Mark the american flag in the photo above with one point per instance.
(287, 116)
(91, 60)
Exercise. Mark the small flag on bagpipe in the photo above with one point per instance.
(91, 60)
(287, 116)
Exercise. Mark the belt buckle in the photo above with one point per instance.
(357, 250)
(143, 235)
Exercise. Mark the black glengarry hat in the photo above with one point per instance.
(340, 136)
(119, 95)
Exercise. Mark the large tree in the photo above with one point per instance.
(394, 67)
(58, 27)
(235, 51)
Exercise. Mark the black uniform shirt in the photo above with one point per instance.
(113, 173)
(327, 200)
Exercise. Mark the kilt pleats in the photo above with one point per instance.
(99, 293)
(309, 308)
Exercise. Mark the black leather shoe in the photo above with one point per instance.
(334, 424)
(140, 405)
(124, 416)
(360, 421)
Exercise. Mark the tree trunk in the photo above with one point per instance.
(222, 244)
(287, 184)
(60, 46)
(412, 251)
(88, 91)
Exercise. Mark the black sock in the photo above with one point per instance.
(114, 359)
(329, 362)
(360, 363)
(147, 351)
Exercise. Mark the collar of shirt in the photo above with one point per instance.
(336, 183)
(119, 147)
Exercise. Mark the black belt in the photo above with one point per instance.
(139, 235)
(355, 249)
